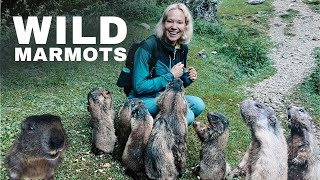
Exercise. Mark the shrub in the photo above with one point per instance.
(248, 53)
(137, 10)
(216, 30)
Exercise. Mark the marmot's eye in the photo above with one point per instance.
(31, 128)
(301, 110)
(258, 106)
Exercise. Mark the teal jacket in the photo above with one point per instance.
(167, 56)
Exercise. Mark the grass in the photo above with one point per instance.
(61, 88)
(307, 94)
(288, 17)
(235, 13)
(314, 5)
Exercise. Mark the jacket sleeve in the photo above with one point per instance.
(142, 85)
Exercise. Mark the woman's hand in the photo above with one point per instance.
(192, 73)
(177, 70)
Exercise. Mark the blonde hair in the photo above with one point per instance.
(187, 35)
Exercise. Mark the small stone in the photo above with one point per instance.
(145, 25)
(254, 2)
(202, 54)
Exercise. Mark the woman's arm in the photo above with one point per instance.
(142, 85)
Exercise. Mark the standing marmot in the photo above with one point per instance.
(124, 125)
(303, 160)
(214, 139)
(134, 152)
(100, 108)
(159, 160)
(38, 149)
(267, 156)
(173, 107)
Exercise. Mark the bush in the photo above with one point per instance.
(248, 53)
(137, 10)
(216, 30)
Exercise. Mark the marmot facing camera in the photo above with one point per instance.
(173, 108)
(134, 152)
(38, 149)
(102, 113)
(214, 139)
(303, 159)
(124, 123)
(267, 156)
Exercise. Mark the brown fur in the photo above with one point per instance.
(102, 113)
(173, 107)
(124, 126)
(214, 138)
(266, 157)
(159, 160)
(134, 152)
(38, 149)
(303, 160)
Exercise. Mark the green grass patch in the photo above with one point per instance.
(238, 12)
(288, 17)
(314, 5)
(308, 93)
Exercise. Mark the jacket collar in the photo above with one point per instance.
(169, 47)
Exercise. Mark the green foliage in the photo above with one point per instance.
(248, 53)
(314, 5)
(308, 93)
(288, 17)
(137, 10)
(216, 30)
(244, 46)
(26, 8)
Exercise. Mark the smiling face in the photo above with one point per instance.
(174, 26)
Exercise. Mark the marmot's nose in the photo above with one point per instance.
(56, 142)
(194, 124)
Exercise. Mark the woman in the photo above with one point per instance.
(173, 31)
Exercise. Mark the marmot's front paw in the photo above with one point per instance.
(237, 172)
(296, 161)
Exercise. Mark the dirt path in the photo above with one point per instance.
(292, 55)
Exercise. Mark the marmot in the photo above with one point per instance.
(38, 149)
(267, 156)
(124, 123)
(102, 113)
(303, 160)
(173, 108)
(134, 152)
(159, 160)
(214, 139)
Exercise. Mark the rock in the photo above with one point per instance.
(145, 25)
(254, 2)
(202, 54)
(203, 9)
